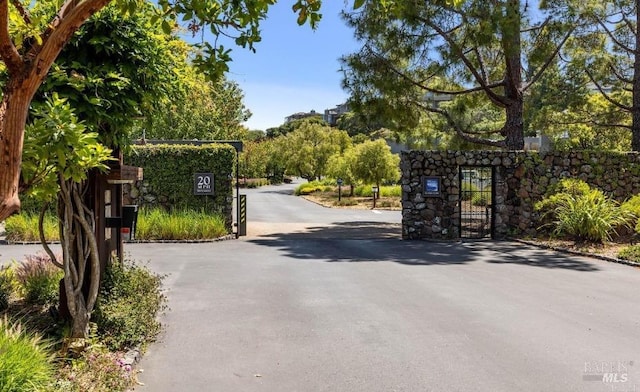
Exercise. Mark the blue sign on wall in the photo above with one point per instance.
(431, 186)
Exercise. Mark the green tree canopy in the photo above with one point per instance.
(33, 33)
(415, 53)
(309, 147)
(292, 125)
(114, 70)
(207, 110)
(374, 163)
(606, 51)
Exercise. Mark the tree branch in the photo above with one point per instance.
(94, 283)
(43, 240)
(537, 27)
(70, 17)
(613, 38)
(8, 50)
(604, 94)
(459, 131)
(619, 75)
(22, 11)
(549, 60)
(69, 282)
(460, 53)
(430, 89)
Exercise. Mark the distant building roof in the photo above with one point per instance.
(301, 115)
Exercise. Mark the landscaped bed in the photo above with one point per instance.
(36, 351)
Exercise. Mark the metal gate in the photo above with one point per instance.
(476, 197)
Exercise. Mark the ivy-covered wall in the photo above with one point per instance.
(169, 172)
(521, 179)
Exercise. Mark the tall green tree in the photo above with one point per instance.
(263, 158)
(415, 53)
(341, 166)
(291, 126)
(207, 110)
(310, 146)
(562, 89)
(609, 52)
(113, 68)
(360, 123)
(33, 33)
(374, 163)
(57, 166)
(594, 124)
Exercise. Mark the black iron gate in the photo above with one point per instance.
(476, 197)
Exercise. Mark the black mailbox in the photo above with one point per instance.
(129, 221)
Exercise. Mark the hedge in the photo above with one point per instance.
(169, 176)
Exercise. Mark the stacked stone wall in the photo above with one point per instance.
(521, 179)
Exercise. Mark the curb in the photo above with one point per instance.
(223, 238)
(577, 253)
(348, 207)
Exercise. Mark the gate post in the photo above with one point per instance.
(242, 215)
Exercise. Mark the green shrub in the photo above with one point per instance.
(96, 370)
(24, 227)
(38, 279)
(468, 189)
(253, 183)
(33, 205)
(588, 216)
(631, 253)
(571, 186)
(7, 286)
(391, 191)
(385, 191)
(481, 198)
(329, 188)
(561, 191)
(632, 207)
(327, 182)
(308, 188)
(25, 360)
(131, 298)
(157, 224)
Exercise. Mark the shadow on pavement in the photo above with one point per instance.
(286, 192)
(375, 241)
(517, 253)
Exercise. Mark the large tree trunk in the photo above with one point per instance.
(80, 255)
(14, 108)
(26, 73)
(513, 130)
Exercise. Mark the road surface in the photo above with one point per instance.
(318, 299)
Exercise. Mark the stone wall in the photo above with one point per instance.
(521, 179)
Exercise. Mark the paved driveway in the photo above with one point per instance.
(333, 300)
(319, 299)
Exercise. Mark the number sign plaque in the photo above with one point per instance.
(203, 184)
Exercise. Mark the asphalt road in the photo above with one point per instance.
(318, 299)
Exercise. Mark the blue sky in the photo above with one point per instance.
(294, 69)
